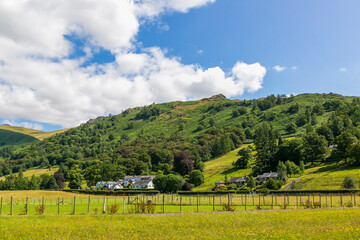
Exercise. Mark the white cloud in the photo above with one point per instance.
(279, 68)
(294, 68)
(35, 87)
(343, 69)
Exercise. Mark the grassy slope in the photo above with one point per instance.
(300, 224)
(31, 132)
(215, 170)
(14, 138)
(37, 172)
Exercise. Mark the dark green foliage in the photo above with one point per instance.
(281, 170)
(344, 142)
(292, 168)
(250, 182)
(291, 128)
(245, 157)
(148, 111)
(315, 147)
(183, 162)
(274, 184)
(196, 177)
(75, 177)
(168, 183)
(294, 108)
(15, 138)
(348, 182)
(266, 147)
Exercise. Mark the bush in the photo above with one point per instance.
(40, 209)
(113, 208)
(142, 207)
(349, 204)
(228, 208)
(348, 182)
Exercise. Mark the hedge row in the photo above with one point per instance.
(113, 192)
(314, 191)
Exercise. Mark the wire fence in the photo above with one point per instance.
(172, 203)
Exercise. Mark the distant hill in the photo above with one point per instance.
(14, 138)
(13, 135)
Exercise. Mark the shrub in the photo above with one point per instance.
(307, 204)
(113, 208)
(40, 209)
(348, 182)
(142, 207)
(317, 204)
(349, 204)
(96, 211)
(229, 208)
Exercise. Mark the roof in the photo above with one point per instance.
(221, 182)
(268, 175)
(145, 176)
(236, 179)
(141, 183)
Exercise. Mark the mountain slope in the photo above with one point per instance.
(145, 139)
(40, 135)
(14, 138)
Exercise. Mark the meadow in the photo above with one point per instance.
(295, 224)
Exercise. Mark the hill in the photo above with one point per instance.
(181, 136)
(14, 138)
(40, 135)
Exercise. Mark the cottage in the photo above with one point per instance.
(240, 181)
(266, 176)
(143, 184)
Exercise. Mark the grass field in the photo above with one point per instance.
(298, 224)
(215, 170)
(37, 172)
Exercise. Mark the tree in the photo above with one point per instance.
(315, 147)
(281, 170)
(75, 177)
(34, 183)
(196, 177)
(168, 183)
(354, 152)
(245, 157)
(52, 184)
(60, 180)
(344, 142)
(266, 147)
(250, 182)
(183, 162)
(348, 182)
(272, 184)
(291, 168)
(291, 127)
(291, 150)
(302, 167)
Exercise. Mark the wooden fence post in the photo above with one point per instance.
(163, 203)
(272, 201)
(330, 200)
(26, 206)
(180, 202)
(197, 202)
(213, 202)
(284, 200)
(74, 205)
(245, 201)
(341, 200)
(58, 203)
(11, 207)
(88, 210)
(124, 205)
(1, 203)
(355, 199)
(296, 201)
(259, 200)
(104, 204)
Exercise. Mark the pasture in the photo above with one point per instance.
(294, 224)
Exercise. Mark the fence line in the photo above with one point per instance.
(167, 203)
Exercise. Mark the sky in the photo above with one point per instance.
(64, 62)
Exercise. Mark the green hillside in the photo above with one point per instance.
(177, 137)
(14, 138)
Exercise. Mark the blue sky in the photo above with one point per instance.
(90, 59)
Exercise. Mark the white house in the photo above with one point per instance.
(143, 184)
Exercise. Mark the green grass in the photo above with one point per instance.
(14, 138)
(37, 172)
(300, 224)
(327, 176)
(216, 169)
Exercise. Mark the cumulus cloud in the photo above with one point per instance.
(279, 68)
(40, 82)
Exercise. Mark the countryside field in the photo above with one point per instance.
(295, 224)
